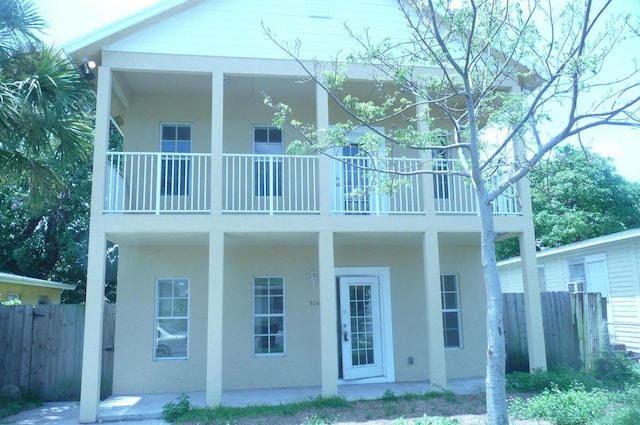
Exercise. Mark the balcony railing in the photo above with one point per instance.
(161, 183)
(455, 194)
(157, 183)
(271, 184)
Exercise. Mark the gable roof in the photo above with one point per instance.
(30, 281)
(589, 243)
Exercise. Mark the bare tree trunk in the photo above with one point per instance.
(495, 380)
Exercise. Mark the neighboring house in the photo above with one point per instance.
(29, 290)
(242, 267)
(607, 264)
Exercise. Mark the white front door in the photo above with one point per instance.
(360, 328)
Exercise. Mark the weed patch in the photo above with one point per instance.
(575, 406)
(11, 406)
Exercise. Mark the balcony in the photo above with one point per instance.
(160, 183)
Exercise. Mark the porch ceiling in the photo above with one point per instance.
(164, 83)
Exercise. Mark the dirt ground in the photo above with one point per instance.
(467, 409)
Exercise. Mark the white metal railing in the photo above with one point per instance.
(455, 194)
(283, 184)
(157, 182)
(358, 190)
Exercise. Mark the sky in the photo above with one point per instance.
(70, 19)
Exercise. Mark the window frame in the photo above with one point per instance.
(263, 173)
(269, 315)
(457, 310)
(157, 318)
(182, 173)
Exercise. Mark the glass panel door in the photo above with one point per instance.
(361, 334)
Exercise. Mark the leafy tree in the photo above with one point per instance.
(577, 195)
(52, 242)
(43, 109)
(46, 110)
(481, 52)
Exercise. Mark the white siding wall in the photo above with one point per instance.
(233, 28)
(511, 278)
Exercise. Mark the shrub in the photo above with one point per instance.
(575, 406)
(560, 377)
(616, 370)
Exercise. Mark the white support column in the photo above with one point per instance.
(94, 308)
(214, 319)
(427, 193)
(324, 162)
(217, 142)
(93, 318)
(437, 362)
(328, 319)
(532, 302)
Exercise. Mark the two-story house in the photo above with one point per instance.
(243, 267)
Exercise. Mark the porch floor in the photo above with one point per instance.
(146, 409)
(149, 406)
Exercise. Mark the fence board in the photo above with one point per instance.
(41, 349)
(573, 329)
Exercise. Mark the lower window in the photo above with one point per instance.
(268, 316)
(172, 319)
(451, 311)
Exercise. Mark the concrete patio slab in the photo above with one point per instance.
(147, 408)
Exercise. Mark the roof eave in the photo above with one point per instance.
(30, 281)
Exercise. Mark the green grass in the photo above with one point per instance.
(323, 408)
(11, 406)
(176, 412)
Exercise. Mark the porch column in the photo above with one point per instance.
(94, 308)
(328, 320)
(532, 303)
(214, 319)
(324, 162)
(217, 121)
(428, 195)
(435, 338)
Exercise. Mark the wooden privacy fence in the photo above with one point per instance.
(573, 329)
(41, 349)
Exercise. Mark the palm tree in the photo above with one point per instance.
(45, 106)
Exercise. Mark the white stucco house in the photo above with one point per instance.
(608, 264)
(242, 267)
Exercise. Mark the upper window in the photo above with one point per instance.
(174, 178)
(267, 142)
(172, 319)
(451, 311)
(268, 316)
(13, 297)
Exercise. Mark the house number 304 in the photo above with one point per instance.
(314, 303)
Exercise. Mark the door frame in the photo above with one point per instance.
(384, 277)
